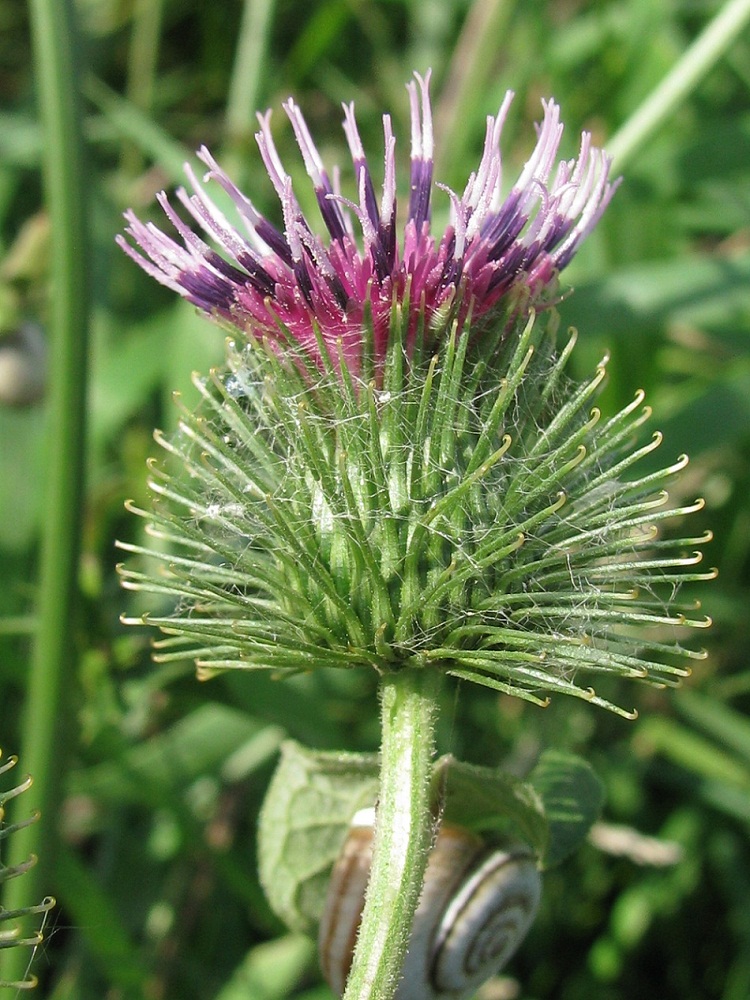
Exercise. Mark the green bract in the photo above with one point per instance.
(463, 510)
(16, 930)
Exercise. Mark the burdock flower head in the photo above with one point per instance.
(394, 471)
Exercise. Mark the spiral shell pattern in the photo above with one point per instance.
(476, 907)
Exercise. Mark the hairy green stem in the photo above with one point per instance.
(57, 60)
(402, 833)
(702, 55)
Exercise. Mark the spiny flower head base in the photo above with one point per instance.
(488, 527)
(292, 284)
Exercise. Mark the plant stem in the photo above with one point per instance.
(702, 55)
(403, 832)
(57, 60)
(143, 57)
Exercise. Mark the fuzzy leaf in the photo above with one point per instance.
(306, 814)
(489, 800)
(572, 798)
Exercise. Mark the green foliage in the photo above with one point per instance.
(314, 796)
(572, 799)
(155, 862)
(305, 816)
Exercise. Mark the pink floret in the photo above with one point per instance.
(255, 276)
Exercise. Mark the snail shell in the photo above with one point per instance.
(476, 907)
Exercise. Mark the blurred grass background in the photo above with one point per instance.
(151, 841)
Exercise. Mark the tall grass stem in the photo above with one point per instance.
(143, 56)
(247, 72)
(696, 62)
(57, 59)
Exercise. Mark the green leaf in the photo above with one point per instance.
(691, 289)
(205, 741)
(552, 812)
(270, 971)
(729, 727)
(93, 911)
(572, 796)
(719, 770)
(314, 795)
(699, 756)
(22, 460)
(305, 817)
(489, 800)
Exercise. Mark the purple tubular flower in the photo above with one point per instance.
(264, 280)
